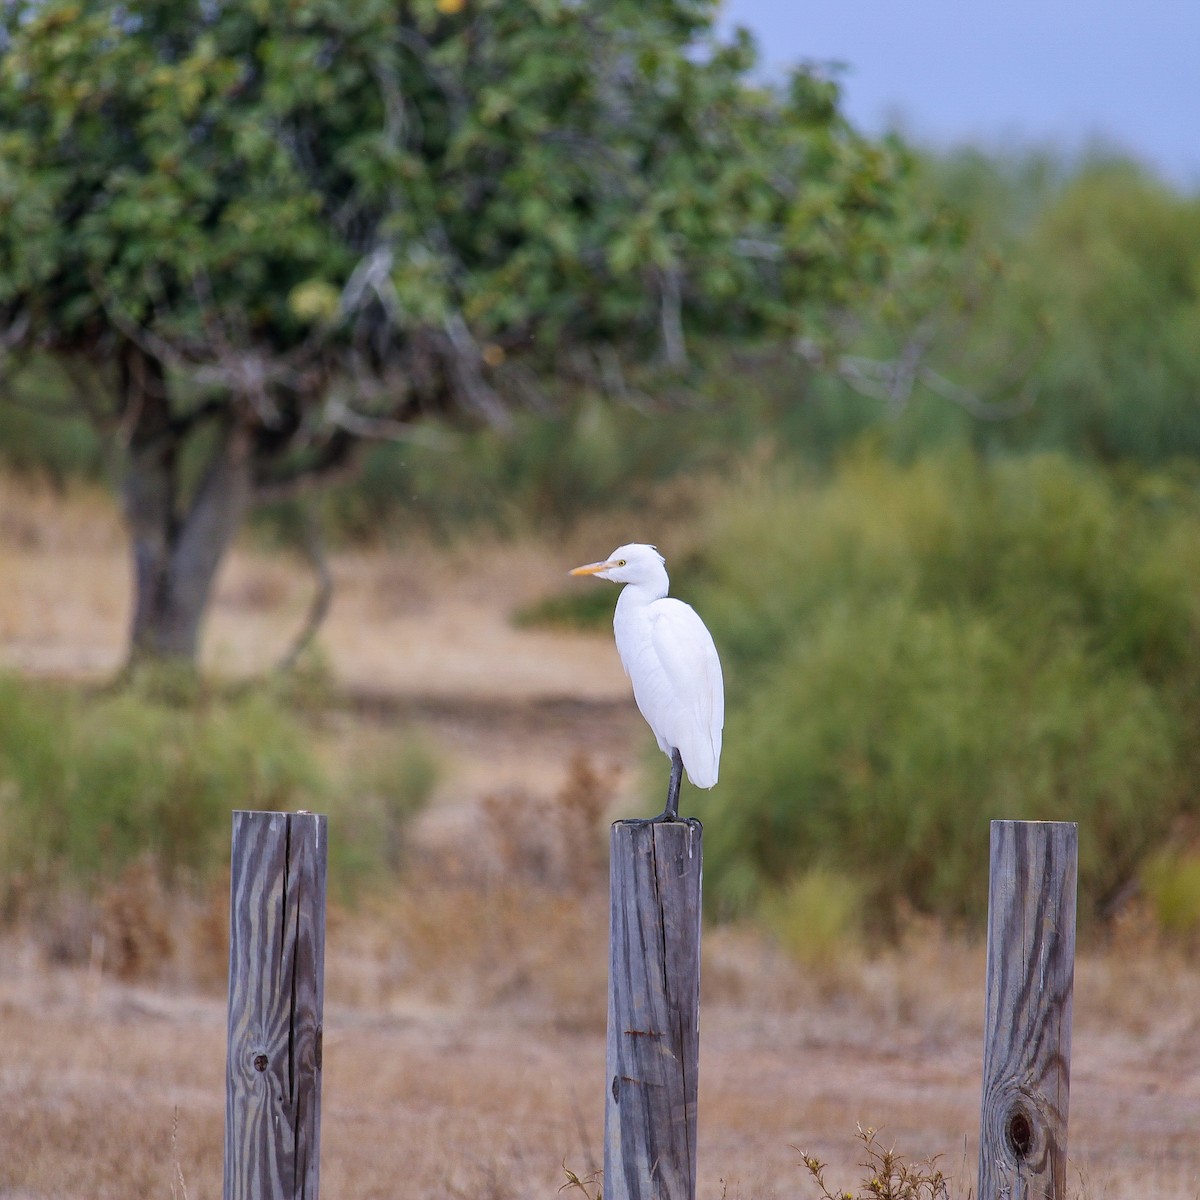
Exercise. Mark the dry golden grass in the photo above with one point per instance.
(429, 623)
(464, 1021)
(485, 1091)
(62, 562)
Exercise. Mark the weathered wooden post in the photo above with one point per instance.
(653, 1012)
(276, 997)
(1027, 1036)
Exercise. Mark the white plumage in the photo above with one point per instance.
(670, 658)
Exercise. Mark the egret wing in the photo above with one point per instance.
(695, 712)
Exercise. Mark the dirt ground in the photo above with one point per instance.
(485, 1082)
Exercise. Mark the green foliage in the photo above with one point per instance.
(1016, 290)
(583, 608)
(552, 470)
(262, 233)
(39, 429)
(89, 785)
(368, 837)
(1171, 883)
(1041, 306)
(87, 788)
(541, 171)
(913, 651)
(814, 916)
(1122, 303)
(1080, 304)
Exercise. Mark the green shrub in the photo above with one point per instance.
(1114, 264)
(41, 430)
(582, 608)
(1172, 885)
(814, 916)
(913, 651)
(88, 787)
(368, 834)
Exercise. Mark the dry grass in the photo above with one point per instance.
(487, 1093)
(464, 1021)
(51, 542)
(465, 1042)
(430, 623)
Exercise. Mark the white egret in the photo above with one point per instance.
(669, 656)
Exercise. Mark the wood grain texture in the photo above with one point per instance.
(1027, 1036)
(653, 1011)
(276, 998)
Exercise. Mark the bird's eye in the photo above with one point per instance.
(621, 562)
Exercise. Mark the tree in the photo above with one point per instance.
(259, 234)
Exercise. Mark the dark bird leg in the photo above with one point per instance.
(671, 812)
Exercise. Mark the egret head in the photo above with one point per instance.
(634, 563)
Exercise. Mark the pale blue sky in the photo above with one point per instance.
(1056, 72)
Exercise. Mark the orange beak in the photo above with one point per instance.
(591, 568)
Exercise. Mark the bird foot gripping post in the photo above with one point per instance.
(671, 812)
(653, 1011)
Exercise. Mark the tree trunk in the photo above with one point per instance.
(177, 547)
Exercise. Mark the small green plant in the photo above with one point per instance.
(888, 1175)
(815, 916)
(583, 608)
(89, 785)
(94, 786)
(589, 1185)
(1172, 885)
(368, 837)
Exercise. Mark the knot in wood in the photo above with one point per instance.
(1019, 1133)
(260, 1062)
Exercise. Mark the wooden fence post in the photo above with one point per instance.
(276, 997)
(1027, 1036)
(653, 1011)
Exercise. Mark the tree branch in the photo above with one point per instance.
(893, 380)
(985, 410)
(384, 429)
(312, 545)
(674, 346)
(338, 459)
(466, 361)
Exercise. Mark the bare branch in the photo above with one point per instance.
(985, 410)
(313, 546)
(245, 373)
(674, 346)
(339, 459)
(752, 247)
(893, 380)
(466, 360)
(612, 379)
(384, 429)
(372, 277)
(146, 340)
(14, 334)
